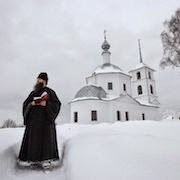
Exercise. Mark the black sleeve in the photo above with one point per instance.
(53, 105)
(26, 107)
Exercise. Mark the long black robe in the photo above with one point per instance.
(39, 141)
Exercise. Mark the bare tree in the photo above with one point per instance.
(171, 41)
(9, 124)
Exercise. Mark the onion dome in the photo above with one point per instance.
(105, 46)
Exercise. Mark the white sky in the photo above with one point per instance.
(63, 38)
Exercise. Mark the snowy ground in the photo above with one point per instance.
(134, 150)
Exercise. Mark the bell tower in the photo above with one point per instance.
(143, 82)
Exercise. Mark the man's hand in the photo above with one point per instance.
(43, 103)
(33, 103)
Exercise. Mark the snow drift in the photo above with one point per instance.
(147, 150)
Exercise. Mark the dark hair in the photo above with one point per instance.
(44, 76)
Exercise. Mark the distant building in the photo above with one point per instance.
(111, 95)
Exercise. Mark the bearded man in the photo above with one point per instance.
(40, 109)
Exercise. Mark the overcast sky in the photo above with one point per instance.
(63, 38)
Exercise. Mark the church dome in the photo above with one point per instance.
(107, 68)
(91, 91)
(105, 46)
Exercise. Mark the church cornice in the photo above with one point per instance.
(113, 99)
(147, 67)
(94, 74)
(139, 80)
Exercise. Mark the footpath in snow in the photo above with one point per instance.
(147, 150)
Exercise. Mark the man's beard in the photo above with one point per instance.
(38, 86)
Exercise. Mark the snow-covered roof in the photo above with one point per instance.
(141, 65)
(143, 102)
(107, 97)
(85, 98)
(107, 68)
(91, 91)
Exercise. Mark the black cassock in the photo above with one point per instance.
(39, 141)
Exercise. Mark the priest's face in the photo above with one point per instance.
(40, 83)
(39, 80)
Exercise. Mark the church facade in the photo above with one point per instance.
(111, 95)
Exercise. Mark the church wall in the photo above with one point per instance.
(84, 107)
(116, 78)
(151, 82)
(106, 111)
(134, 110)
(133, 74)
(144, 95)
(135, 83)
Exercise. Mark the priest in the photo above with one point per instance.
(40, 109)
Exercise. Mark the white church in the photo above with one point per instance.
(112, 95)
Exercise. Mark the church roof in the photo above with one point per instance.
(107, 68)
(91, 91)
(141, 65)
(111, 99)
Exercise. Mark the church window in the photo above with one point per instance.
(143, 116)
(151, 89)
(110, 86)
(138, 75)
(118, 113)
(149, 75)
(124, 87)
(139, 89)
(127, 116)
(94, 115)
(75, 116)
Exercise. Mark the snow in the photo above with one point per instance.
(147, 150)
(109, 97)
(107, 69)
(83, 98)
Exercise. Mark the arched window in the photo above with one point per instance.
(118, 113)
(143, 116)
(127, 116)
(93, 115)
(110, 86)
(75, 116)
(124, 87)
(139, 89)
(151, 89)
(138, 74)
(149, 74)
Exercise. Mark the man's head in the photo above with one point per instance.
(42, 80)
(43, 77)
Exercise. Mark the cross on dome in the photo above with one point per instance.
(105, 46)
(104, 34)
